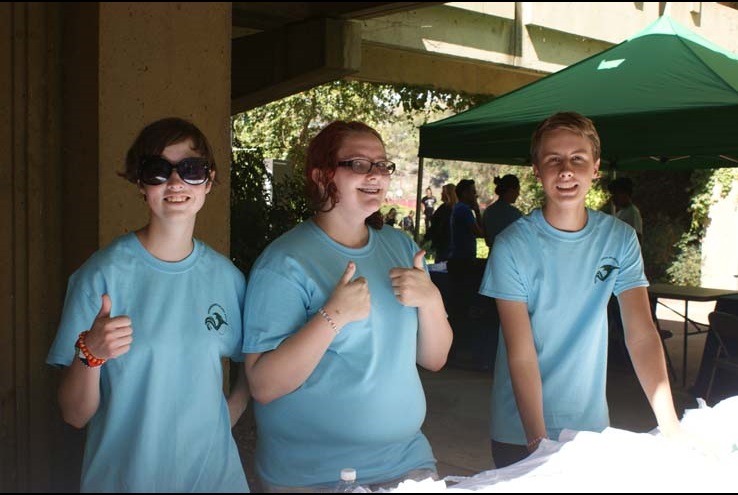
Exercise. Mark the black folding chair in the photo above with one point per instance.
(724, 327)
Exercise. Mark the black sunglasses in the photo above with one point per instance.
(155, 170)
(364, 166)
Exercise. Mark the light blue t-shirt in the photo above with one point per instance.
(632, 216)
(496, 217)
(364, 404)
(566, 278)
(163, 422)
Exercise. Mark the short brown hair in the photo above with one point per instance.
(570, 121)
(158, 135)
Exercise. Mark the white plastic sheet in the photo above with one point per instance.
(618, 461)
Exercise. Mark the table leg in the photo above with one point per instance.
(684, 356)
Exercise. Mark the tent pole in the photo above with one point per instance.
(614, 170)
(417, 200)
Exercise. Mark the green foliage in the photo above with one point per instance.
(661, 235)
(257, 218)
(429, 102)
(675, 207)
(283, 128)
(598, 197)
(482, 249)
(686, 267)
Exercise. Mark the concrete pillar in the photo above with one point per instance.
(157, 60)
(30, 273)
(77, 83)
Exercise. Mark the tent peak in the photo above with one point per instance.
(667, 25)
(666, 95)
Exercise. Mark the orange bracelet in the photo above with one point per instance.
(89, 360)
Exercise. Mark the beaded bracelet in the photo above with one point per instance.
(89, 360)
(329, 320)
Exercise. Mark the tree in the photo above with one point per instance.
(283, 128)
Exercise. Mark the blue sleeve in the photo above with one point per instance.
(79, 312)
(274, 309)
(631, 273)
(240, 282)
(502, 279)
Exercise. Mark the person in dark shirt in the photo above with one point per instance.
(465, 273)
(429, 205)
(391, 217)
(440, 227)
(466, 222)
(408, 224)
(501, 213)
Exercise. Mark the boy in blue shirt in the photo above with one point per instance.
(552, 273)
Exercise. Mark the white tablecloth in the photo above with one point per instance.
(618, 461)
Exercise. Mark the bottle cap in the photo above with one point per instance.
(348, 474)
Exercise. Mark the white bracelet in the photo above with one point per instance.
(329, 320)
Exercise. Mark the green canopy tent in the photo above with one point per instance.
(664, 99)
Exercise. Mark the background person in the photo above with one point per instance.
(440, 233)
(408, 223)
(429, 204)
(157, 310)
(391, 217)
(496, 217)
(501, 213)
(622, 192)
(343, 312)
(465, 274)
(466, 222)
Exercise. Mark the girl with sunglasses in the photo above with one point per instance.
(340, 311)
(146, 322)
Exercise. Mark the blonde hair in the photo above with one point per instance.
(448, 194)
(570, 121)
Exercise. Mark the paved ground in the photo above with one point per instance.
(458, 405)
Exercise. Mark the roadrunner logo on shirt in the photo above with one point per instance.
(217, 320)
(607, 266)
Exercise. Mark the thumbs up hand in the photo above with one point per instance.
(350, 300)
(413, 286)
(109, 337)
